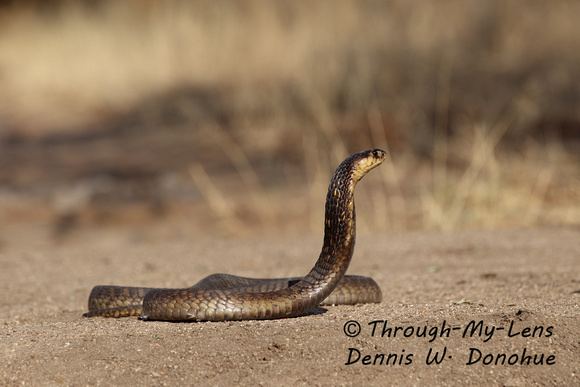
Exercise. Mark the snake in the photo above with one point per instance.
(225, 297)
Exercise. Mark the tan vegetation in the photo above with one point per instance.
(477, 102)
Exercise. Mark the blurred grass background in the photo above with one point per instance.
(229, 117)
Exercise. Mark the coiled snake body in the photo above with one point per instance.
(220, 297)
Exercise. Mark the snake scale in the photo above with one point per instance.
(221, 297)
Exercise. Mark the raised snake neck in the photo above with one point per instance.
(222, 297)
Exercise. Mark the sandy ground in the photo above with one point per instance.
(512, 278)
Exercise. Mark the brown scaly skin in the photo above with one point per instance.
(224, 297)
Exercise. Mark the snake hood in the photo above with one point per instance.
(340, 216)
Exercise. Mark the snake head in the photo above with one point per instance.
(363, 162)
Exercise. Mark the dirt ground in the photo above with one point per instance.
(515, 279)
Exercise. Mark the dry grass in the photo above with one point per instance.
(477, 101)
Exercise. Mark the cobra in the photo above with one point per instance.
(221, 297)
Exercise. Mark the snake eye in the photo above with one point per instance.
(378, 153)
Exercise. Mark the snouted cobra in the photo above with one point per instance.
(221, 297)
